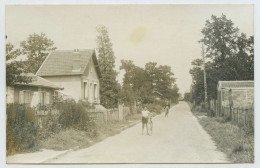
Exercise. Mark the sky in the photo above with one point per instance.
(166, 34)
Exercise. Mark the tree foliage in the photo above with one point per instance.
(109, 87)
(143, 84)
(230, 57)
(136, 85)
(15, 70)
(220, 37)
(36, 47)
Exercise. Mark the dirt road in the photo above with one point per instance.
(176, 139)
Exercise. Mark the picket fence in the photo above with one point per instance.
(243, 116)
(115, 114)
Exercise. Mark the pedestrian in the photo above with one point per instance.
(167, 108)
(145, 115)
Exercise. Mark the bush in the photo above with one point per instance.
(154, 108)
(74, 115)
(21, 130)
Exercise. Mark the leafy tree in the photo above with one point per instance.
(15, 70)
(109, 87)
(230, 57)
(36, 47)
(220, 37)
(162, 80)
(196, 72)
(144, 83)
(187, 96)
(136, 84)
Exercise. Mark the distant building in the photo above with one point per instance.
(38, 91)
(76, 71)
(238, 94)
(158, 95)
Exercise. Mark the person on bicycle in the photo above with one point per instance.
(167, 110)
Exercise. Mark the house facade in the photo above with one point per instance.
(77, 71)
(238, 94)
(38, 91)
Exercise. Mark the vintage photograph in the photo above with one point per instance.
(136, 83)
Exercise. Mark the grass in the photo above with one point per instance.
(236, 141)
(66, 139)
(71, 138)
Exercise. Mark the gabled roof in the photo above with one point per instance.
(236, 84)
(40, 82)
(158, 93)
(60, 62)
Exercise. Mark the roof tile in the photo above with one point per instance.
(236, 84)
(60, 62)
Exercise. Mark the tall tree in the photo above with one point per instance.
(36, 47)
(135, 82)
(220, 37)
(109, 87)
(197, 92)
(162, 79)
(230, 56)
(15, 71)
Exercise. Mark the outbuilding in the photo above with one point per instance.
(235, 94)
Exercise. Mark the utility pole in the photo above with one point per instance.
(205, 80)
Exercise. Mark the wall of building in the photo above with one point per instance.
(242, 98)
(14, 94)
(70, 83)
(9, 94)
(90, 77)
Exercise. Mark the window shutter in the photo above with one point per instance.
(47, 98)
(21, 97)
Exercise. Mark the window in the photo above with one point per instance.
(85, 90)
(27, 97)
(42, 98)
(95, 91)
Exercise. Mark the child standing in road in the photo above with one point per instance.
(145, 114)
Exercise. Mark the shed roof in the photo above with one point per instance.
(60, 62)
(236, 84)
(40, 82)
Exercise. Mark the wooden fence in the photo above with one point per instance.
(242, 116)
(115, 114)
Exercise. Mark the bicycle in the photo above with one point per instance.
(150, 122)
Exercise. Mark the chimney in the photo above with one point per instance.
(76, 61)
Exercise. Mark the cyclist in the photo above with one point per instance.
(167, 110)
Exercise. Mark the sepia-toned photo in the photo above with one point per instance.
(129, 84)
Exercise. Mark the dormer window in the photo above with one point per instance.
(76, 61)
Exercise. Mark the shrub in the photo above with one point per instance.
(21, 130)
(74, 115)
(154, 108)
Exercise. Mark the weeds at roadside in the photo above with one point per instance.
(236, 141)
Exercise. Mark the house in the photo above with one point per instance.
(158, 95)
(38, 91)
(238, 94)
(77, 71)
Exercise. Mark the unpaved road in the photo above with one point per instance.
(176, 139)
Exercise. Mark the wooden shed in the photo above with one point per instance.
(235, 94)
